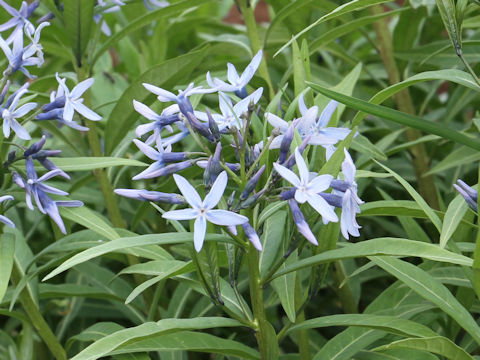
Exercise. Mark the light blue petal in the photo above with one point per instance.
(225, 218)
(199, 228)
(322, 207)
(216, 192)
(302, 167)
(320, 183)
(327, 114)
(287, 174)
(184, 214)
(188, 191)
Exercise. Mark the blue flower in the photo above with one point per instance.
(158, 122)
(347, 188)
(35, 48)
(237, 83)
(10, 113)
(202, 211)
(19, 19)
(307, 189)
(469, 194)
(181, 99)
(161, 157)
(3, 218)
(35, 187)
(18, 57)
(146, 195)
(231, 114)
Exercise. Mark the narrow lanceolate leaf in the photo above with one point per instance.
(78, 17)
(340, 10)
(454, 215)
(438, 345)
(206, 262)
(391, 324)
(92, 163)
(431, 289)
(453, 75)
(127, 243)
(418, 199)
(446, 8)
(284, 286)
(91, 220)
(272, 239)
(399, 117)
(381, 246)
(133, 335)
(7, 252)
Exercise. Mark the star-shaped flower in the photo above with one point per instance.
(10, 114)
(231, 114)
(202, 211)
(237, 82)
(19, 19)
(73, 100)
(307, 189)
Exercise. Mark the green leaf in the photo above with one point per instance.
(399, 117)
(284, 286)
(94, 332)
(88, 218)
(391, 324)
(78, 17)
(126, 243)
(206, 262)
(192, 341)
(299, 75)
(147, 19)
(461, 156)
(339, 10)
(431, 289)
(418, 199)
(457, 76)
(272, 240)
(7, 253)
(167, 75)
(135, 335)
(381, 246)
(438, 345)
(453, 216)
(92, 163)
(446, 8)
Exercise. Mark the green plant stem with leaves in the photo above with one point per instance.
(404, 103)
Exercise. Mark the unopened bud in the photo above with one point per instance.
(252, 236)
(212, 125)
(35, 147)
(252, 183)
(299, 220)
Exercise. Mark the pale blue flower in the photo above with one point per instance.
(10, 114)
(73, 100)
(168, 116)
(350, 200)
(202, 211)
(3, 218)
(181, 99)
(237, 83)
(151, 4)
(18, 57)
(35, 48)
(231, 115)
(19, 19)
(34, 186)
(307, 189)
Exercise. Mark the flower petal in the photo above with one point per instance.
(302, 167)
(322, 207)
(199, 228)
(145, 111)
(188, 191)
(81, 87)
(183, 214)
(287, 174)
(86, 112)
(320, 183)
(327, 114)
(225, 218)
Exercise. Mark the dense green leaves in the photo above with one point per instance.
(78, 18)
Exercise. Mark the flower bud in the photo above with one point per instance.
(252, 236)
(145, 195)
(213, 126)
(339, 185)
(334, 200)
(35, 147)
(252, 183)
(55, 104)
(468, 193)
(299, 220)
(199, 127)
(286, 141)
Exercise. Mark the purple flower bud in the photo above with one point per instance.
(291, 159)
(170, 157)
(286, 141)
(199, 127)
(167, 170)
(55, 114)
(184, 105)
(232, 229)
(47, 17)
(468, 193)
(334, 200)
(4, 91)
(252, 236)
(252, 183)
(47, 164)
(339, 185)
(252, 199)
(233, 166)
(58, 103)
(299, 220)
(35, 147)
(288, 194)
(213, 126)
(145, 195)
(231, 199)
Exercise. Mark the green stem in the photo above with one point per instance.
(467, 65)
(256, 296)
(101, 174)
(255, 43)
(426, 185)
(37, 320)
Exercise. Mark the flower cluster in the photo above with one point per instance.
(238, 108)
(22, 48)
